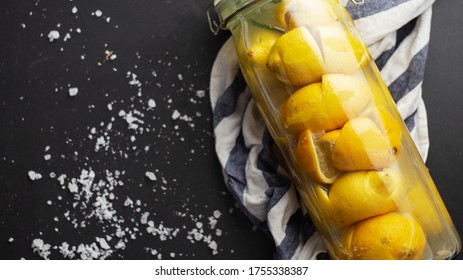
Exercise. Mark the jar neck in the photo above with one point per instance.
(227, 9)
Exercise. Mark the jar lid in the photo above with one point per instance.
(225, 10)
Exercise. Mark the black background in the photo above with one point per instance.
(168, 45)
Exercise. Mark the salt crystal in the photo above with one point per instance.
(175, 115)
(120, 245)
(73, 187)
(200, 93)
(217, 214)
(74, 10)
(73, 91)
(11, 240)
(103, 244)
(47, 157)
(98, 13)
(128, 202)
(67, 37)
(41, 248)
(150, 175)
(151, 103)
(34, 175)
(53, 35)
(144, 218)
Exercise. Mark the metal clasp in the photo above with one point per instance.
(213, 25)
(358, 2)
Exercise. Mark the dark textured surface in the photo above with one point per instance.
(442, 93)
(168, 45)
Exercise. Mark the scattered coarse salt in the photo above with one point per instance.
(98, 13)
(53, 35)
(151, 176)
(34, 175)
(73, 91)
(74, 10)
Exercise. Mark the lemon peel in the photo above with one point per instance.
(356, 196)
(314, 156)
(324, 106)
(261, 45)
(295, 58)
(391, 236)
(361, 146)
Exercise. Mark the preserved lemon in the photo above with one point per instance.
(390, 236)
(314, 155)
(296, 58)
(325, 106)
(361, 146)
(355, 196)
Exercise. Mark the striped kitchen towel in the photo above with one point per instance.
(397, 35)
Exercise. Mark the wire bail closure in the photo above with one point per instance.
(213, 25)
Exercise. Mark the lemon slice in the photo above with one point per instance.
(295, 58)
(314, 155)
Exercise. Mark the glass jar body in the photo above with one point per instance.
(339, 134)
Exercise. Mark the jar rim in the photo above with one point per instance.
(226, 9)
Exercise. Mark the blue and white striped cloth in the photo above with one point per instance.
(397, 35)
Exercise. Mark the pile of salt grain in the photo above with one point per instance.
(93, 199)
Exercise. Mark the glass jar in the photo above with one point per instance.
(350, 155)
